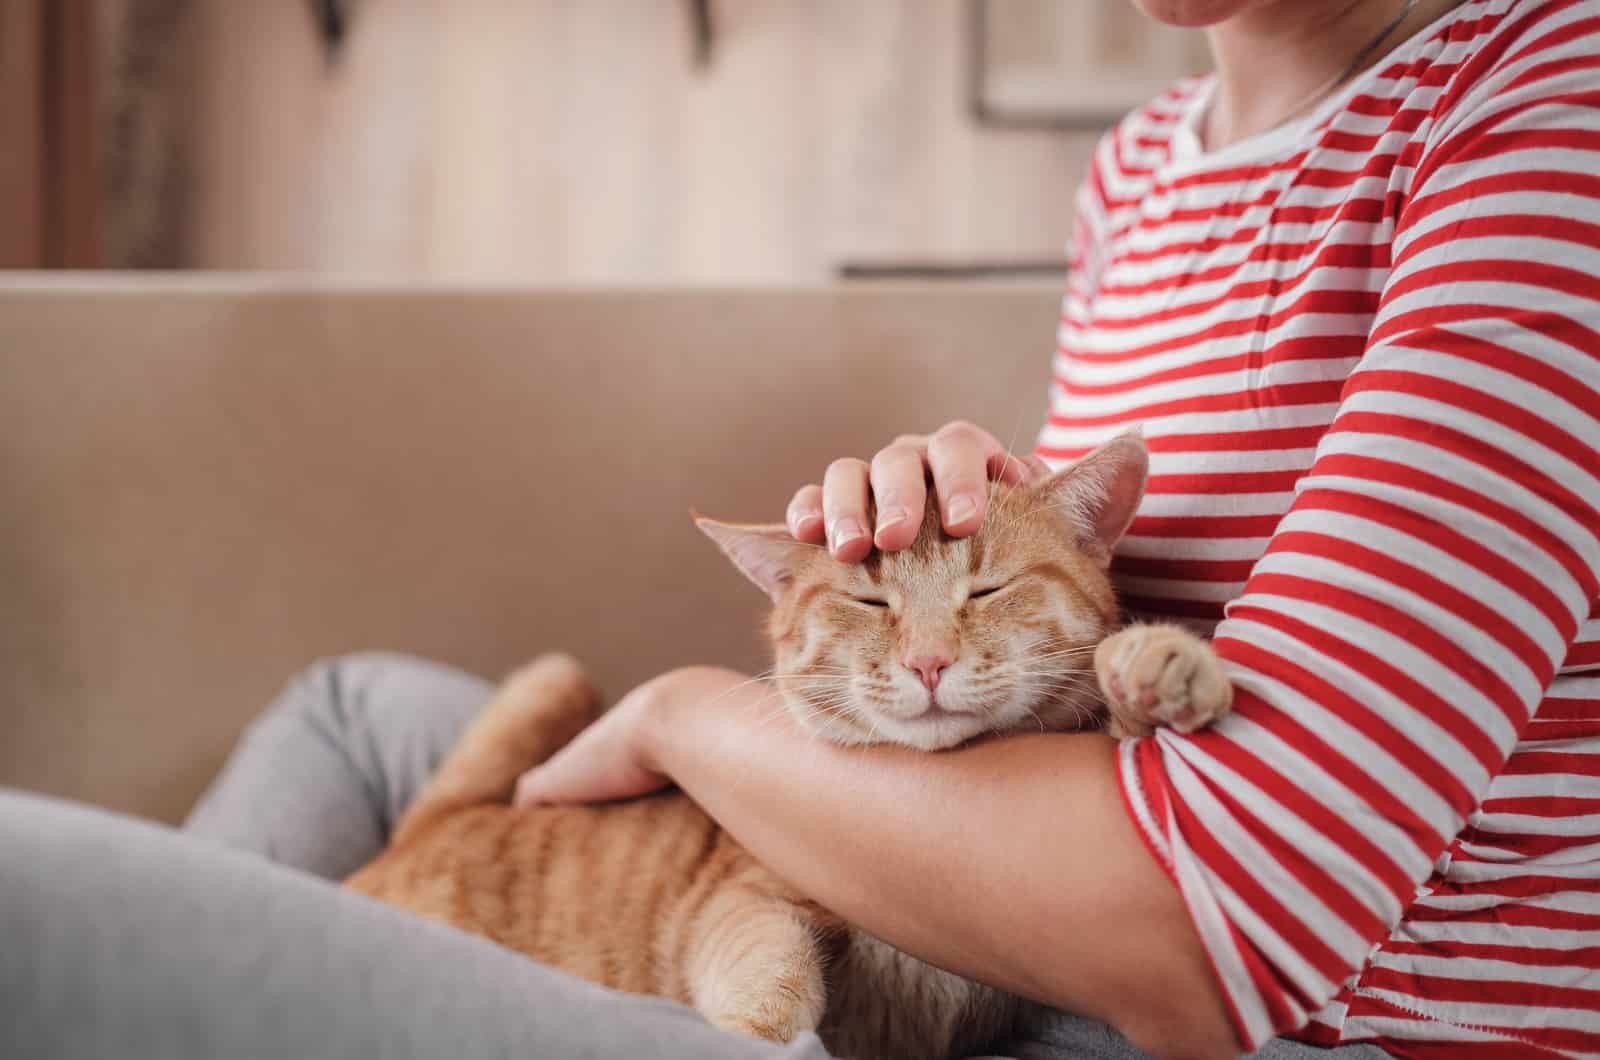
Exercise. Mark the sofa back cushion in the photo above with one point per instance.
(208, 483)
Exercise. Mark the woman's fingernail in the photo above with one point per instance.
(800, 522)
(525, 790)
(846, 531)
(891, 516)
(961, 508)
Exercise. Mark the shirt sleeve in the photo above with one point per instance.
(1415, 602)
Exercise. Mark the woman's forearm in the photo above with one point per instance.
(1029, 834)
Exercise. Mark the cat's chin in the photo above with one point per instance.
(935, 729)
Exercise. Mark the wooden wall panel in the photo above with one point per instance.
(21, 133)
(50, 193)
(73, 194)
(558, 141)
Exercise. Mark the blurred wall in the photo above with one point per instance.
(559, 140)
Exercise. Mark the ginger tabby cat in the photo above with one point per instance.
(943, 642)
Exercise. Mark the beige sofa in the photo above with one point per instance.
(207, 482)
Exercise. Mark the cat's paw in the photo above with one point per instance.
(776, 1026)
(1152, 676)
(791, 1005)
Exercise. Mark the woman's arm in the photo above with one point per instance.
(1028, 835)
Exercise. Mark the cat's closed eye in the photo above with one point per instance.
(978, 594)
(869, 601)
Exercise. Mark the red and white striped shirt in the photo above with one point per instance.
(1365, 350)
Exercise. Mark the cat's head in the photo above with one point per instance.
(953, 637)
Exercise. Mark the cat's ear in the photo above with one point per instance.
(767, 555)
(1100, 493)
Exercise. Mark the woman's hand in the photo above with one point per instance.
(616, 757)
(963, 459)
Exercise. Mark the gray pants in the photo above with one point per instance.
(122, 938)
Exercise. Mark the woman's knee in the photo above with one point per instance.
(392, 717)
(378, 723)
(381, 692)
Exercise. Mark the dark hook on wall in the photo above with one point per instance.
(333, 24)
(703, 23)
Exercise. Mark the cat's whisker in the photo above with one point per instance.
(1064, 674)
(1055, 659)
(834, 705)
(806, 713)
(778, 709)
(810, 711)
(837, 705)
(1042, 508)
(1033, 511)
(841, 711)
(1035, 716)
(725, 693)
(1043, 686)
(832, 685)
(1058, 666)
(994, 483)
(1081, 649)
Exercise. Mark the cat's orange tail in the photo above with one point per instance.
(533, 715)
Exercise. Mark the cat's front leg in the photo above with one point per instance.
(756, 964)
(1155, 675)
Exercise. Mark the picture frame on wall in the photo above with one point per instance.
(1072, 64)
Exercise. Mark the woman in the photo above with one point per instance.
(1358, 315)
(1349, 286)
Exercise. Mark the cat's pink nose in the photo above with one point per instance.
(929, 667)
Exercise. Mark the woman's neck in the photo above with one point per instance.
(1273, 58)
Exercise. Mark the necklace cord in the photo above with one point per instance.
(1373, 45)
(1321, 92)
